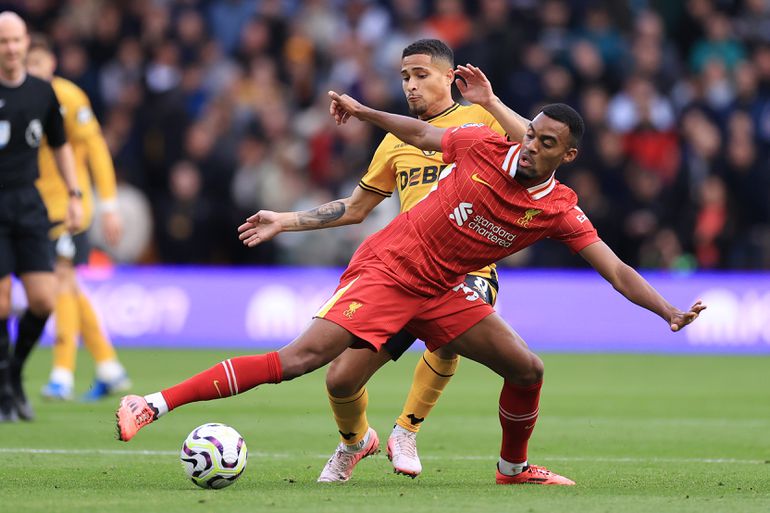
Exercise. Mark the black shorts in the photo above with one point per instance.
(403, 340)
(75, 248)
(24, 225)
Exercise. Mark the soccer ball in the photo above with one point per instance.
(214, 455)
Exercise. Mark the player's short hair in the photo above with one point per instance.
(565, 114)
(436, 48)
(40, 42)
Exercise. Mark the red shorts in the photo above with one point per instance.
(372, 305)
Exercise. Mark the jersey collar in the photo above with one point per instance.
(510, 165)
(17, 83)
(543, 189)
(443, 113)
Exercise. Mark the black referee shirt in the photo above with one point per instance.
(26, 113)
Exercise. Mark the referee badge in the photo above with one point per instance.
(34, 133)
(5, 132)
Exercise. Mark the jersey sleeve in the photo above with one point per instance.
(54, 123)
(80, 122)
(575, 230)
(380, 178)
(492, 123)
(458, 140)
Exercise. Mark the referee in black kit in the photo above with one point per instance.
(28, 110)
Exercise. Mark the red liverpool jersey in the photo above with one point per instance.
(477, 215)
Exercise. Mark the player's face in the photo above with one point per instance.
(41, 64)
(427, 84)
(546, 145)
(14, 42)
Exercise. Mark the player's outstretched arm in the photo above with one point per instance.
(476, 88)
(410, 130)
(103, 173)
(266, 224)
(635, 288)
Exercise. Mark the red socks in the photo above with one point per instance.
(519, 407)
(230, 377)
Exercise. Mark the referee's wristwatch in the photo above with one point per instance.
(76, 193)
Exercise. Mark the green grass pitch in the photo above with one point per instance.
(638, 434)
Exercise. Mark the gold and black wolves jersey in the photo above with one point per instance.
(92, 157)
(403, 167)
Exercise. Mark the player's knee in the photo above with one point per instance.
(41, 306)
(5, 298)
(532, 372)
(340, 382)
(526, 370)
(445, 354)
(5, 306)
(537, 368)
(66, 281)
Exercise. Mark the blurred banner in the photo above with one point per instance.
(553, 310)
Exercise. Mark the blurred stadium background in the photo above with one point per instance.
(215, 109)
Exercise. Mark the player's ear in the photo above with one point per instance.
(570, 155)
(449, 74)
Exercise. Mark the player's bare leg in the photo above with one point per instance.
(319, 344)
(493, 343)
(346, 385)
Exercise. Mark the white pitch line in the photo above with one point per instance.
(601, 459)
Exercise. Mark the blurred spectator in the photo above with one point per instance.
(714, 224)
(752, 25)
(639, 104)
(718, 44)
(182, 222)
(449, 22)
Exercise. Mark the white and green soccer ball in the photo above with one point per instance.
(214, 455)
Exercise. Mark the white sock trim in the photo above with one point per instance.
(109, 371)
(156, 400)
(511, 469)
(358, 446)
(399, 429)
(63, 376)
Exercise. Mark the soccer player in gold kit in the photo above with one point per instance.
(73, 311)
(427, 74)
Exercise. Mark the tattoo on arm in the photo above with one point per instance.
(322, 215)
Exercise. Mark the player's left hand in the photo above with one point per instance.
(74, 219)
(474, 85)
(681, 319)
(112, 227)
(261, 227)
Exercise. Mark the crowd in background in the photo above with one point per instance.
(216, 109)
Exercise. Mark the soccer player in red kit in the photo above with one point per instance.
(496, 199)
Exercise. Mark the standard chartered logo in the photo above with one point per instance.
(481, 225)
(461, 213)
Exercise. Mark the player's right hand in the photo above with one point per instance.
(112, 226)
(261, 227)
(74, 220)
(474, 86)
(342, 107)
